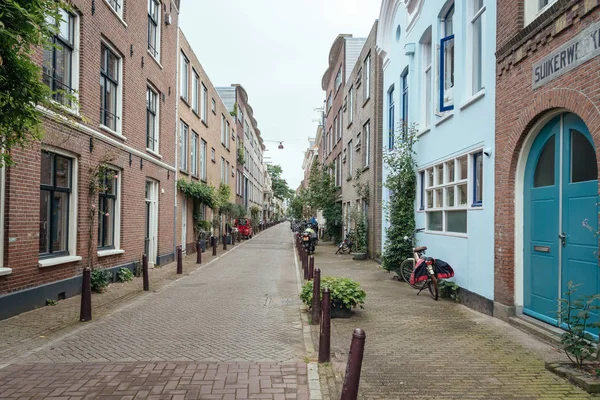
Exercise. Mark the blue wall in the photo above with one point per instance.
(471, 128)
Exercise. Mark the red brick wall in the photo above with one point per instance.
(519, 106)
(23, 181)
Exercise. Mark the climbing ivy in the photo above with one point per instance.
(400, 208)
(204, 193)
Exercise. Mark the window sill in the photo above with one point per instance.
(116, 13)
(366, 101)
(204, 122)
(444, 119)
(114, 133)
(5, 271)
(185, 101)
(50, 262)
(214, 112)
(183, 171)
(154, 153)
(449, 234)
(111, 252)
(424, 131)
(349, 125)
(155, 59)
(73, 112)
(365, 168)
(473, 99)
(196, 113)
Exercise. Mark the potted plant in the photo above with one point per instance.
(360, 234)
(345, 295)
(202, 229)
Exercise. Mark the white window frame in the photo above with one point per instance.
(338, 79)
(227, 135)
(227, 165)
(350, 158)
(195, 94)
(223, 170)
(427, 82)
(203, 159)
(183, 145)
(184, 77)
(350, 105)
(117, 222)
(366, 147)
(533, 10)
(119, 114)
(223, 130)
(118, 11)
(156, 121)
(367, 79)
(158, 5)
(194, 153)
(474, 17)
(446, 96)
(73, 212)
(204, 104)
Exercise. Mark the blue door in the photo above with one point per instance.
(561, 192)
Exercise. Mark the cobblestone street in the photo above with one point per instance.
(229, 330)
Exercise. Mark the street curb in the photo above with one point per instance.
(314, 384)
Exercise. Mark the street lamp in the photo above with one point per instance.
(280, 147)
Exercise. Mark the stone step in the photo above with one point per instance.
(548, 333)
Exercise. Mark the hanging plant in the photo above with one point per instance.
(204, 193)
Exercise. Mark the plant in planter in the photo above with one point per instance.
(359, 234)
(100, 279)
(345, 295)
(202, 231)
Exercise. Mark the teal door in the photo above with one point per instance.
(561, 195)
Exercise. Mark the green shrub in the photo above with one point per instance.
(345, 290)
(50, 302)
(449, 290)
(100, 280)
(124, 275)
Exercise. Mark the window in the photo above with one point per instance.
(195, 84)
(427, 79)
(223, 130)
(330, 136)
(117, 6)
(391, 117)
(214, 106)
(366, 147)
(212, 154)
(183, 146)
(194, 153)
(535, 8)
(329, 103)
(350, 105)
(55, 204)
(422, 191)
(350, 156)
(109, 88)
(367, 71)
(405, 122)
(227, 173)
(446, 72)
(338, 79)
(59, 61)
(340, 123)
(227, 135)
(203, 160)
(154, 28)
(107, 208)
(185, 77)
(151, 120)
(223, 171)
(476, 33)
(444, 192)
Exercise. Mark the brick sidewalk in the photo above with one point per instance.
(417, 348)
(30, 330)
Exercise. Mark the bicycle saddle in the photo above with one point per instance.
(420, 248)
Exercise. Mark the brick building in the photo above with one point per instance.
(207, 144)
(362, 143)
(126, 51)
(547, 141)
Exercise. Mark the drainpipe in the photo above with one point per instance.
(176, 144)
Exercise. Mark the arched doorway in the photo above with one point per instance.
(560, 193)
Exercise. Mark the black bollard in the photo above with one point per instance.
(324, 339)
(213, 240)
(179, 260)
(355, 357)
(316, 300)
(224, 242)
(306, 266)
(311, 268)
(145, 278)
(85, 313)
(198, 253)
(232, 239)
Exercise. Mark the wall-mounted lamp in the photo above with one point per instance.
(487, 151)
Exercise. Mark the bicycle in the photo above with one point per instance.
(345, 245)
(410, 264)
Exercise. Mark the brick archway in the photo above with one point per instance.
(511, 133)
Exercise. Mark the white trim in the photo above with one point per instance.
(117, 14)
(520, 203)
(158, 32)
(473, 99)
(469, 50)
(2, 200)
(119, 110)
(446, 117)
(114, 133)
(50, 262)
(111, 252)
(451, 234)
(104, 138)
(5, 271)
(157, 95)
(154, 58)
(424, 131)
(154, 153)
(531, 12)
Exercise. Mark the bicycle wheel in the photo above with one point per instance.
(433, 287)
(406, 269)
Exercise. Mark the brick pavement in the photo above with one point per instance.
(230, 330)
(417, 348)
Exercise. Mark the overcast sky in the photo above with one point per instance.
(278, 50)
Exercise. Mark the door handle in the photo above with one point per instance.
(563, 237)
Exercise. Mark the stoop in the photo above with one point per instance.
(548, 333)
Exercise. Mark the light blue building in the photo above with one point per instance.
(439, 74)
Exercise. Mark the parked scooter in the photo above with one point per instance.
(346, 245)
(309, 239)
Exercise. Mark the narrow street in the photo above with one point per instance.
(230, 330)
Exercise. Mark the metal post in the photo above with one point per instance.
(306, 266)
(85, 313)
(179, 260)
(232, 238)
(213, 240)
(324, 339)
(355, 357)
(145, 278)
(311, 268)
(316, 301)
(198, 253)
(225, 242)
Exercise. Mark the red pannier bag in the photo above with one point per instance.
(441, 268)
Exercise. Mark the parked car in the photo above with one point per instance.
(244, 227)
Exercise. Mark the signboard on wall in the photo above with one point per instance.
(576, 51)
